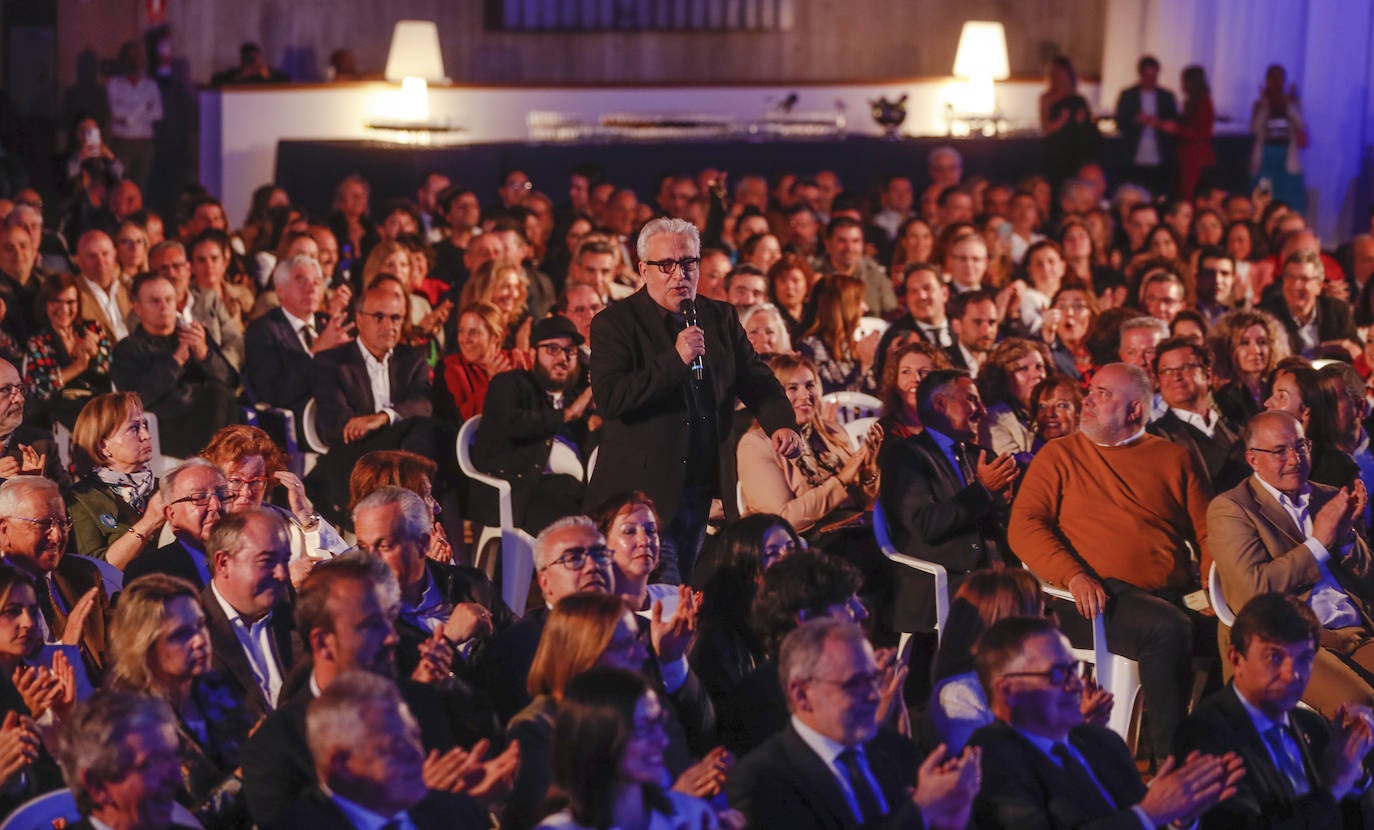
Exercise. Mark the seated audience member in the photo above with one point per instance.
(1296, 389)
(502, 283)
(345, 615)
(161, 645)
(282, 344)
(467, 373)
(103, 297)
(28, 769)
(247, 607)
(24, 449)
(1191, 326)
(1136, 580)
(828, 481)
(630, 524)
(1250, 346)
(973, 319)
(594, 265)
(903, 372)
(212, 298)
(844, 254)
(1013, 369)
(1184, 370)
(789, 284)
(195, 495)
(67, 361)
(20, 276)
(924, 297)
(399, 468)
(965, 259)
(1069, 323)
(115, 505)
(373, 394)
(1342, 445)
(581, 304)
(121, 758)
(1278, 531)
(841, 362)
(766, 330)
(601, 769)
(1313, 320)
(1301, 769)
(1162, 292)
(33, 538)
(253, 465)
(1057, 405)
(831, 766)
(178, 370)
(944, 501)
(727, 647)
(958, 705)
(1045, 767)
(745, 287)
(1137, 339)
(530, 414)
(371, 765)
(395, 524)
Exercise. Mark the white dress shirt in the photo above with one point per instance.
(108, 304)
(133, 107)
(298, 326)
(255, 638)
(379, 378)
(1328, 600)
(829, 753)
(1147, 151)
(1206, 424)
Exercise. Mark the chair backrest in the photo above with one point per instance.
(869, 325)
(517, 568)
(312, 435)
(467, 433)
(1225, 615)
(563, 460)
(857, 429)
(854, 405)
(739, 498)
(935, 570)
(159, 463)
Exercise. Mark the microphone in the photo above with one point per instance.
(689, 313)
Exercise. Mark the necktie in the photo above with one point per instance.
(966, 468)
(1071, 765)
(1289, 765)
(308, 335)
(869, 809)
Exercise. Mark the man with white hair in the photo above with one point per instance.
(196, 494)
(281, 345)
(667, 369)
(24, 450)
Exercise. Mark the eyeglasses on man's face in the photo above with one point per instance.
(46, 526)
(554, 350)
(668, 267)
(1058, 675)
(201, 499)
(382, 317)
(575, 558)
(1302, 449)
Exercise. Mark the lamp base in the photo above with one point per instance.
(424, 133)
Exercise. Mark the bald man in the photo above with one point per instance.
(103, 298)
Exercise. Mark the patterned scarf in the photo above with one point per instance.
(133, 488)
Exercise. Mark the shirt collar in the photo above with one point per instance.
(1261, 720)
(362, 818)
(944, 442)
(1300, 503)
(1207, 422)
(235, 618)
(1130, 440)
(369, 359)
(826, 748)
(1042, 743)
(296, 323)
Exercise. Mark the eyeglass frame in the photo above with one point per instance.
(46, 526)
(382, 317)
(1073, 668)
(668, 267)
(1303, 449)
(549, 349)
(223, 495)
(256, 481)
(601, 553)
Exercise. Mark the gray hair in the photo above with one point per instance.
(1140, 386)
(170, 479)
(17, 214)
(419, 518)
(15, 489)
(1154, 324)
(1120, 194)
(335, 720)
(667, 225)
(95, 738)
(165, 245)
(282, 272)
(541, 542)
(945, 150)
(803, 646)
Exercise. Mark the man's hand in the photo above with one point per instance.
(995, 474)
(76, 620)
(337, 303)
(1096, 703)
(491, 782)
(19, 745)
(705, 778)
(691, 342)
(193, 337)
(468, 620)
(336, 333)
(32, 462)
(578, 407)
(1351, 741)
(1182, 792)
(1088, 595)
(945, 787)
(361, 426)
(892, 711)
(1333, 522)
(1340, 289)
(787, 443)
(672, 639)
(436, 660)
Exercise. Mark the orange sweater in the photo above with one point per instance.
(1074, 513)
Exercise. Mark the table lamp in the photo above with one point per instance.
(980, 60)
(415, 62)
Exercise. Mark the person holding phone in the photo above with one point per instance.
(1280, 132)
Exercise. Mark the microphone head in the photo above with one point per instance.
(689, 311)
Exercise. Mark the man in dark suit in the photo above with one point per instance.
(71, 593)
(177, 369)
(1144, 113)
(945, 499)
(1044, 767)
(282, 344)
(924, 297)
(372, 395)
(246, 607)
(368, 759)
(831, 768)
(1278, 531)
(1300, 770)
(663, 418)
(24, 450)
(530, 414)
(196, 494)
(1313, 321)
(973, 319)
(1184, 372)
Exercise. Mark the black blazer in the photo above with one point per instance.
(172, 559)
(1128, 107)
(1031, 791)
(503, 662)
(41, 440)
(436, 811)
(784, 785)
(342, 390)
(640, 386)
(931, 515)
(1264, 798)
(1335, 320)
(1222, 455)
(230, 660)
(277, 369)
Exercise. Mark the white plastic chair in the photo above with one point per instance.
(1118, 675)
(937, 571)
(854, 405)
(312, 434)
(159, 463)
(857, 429)
(517, 546)
(39, 813)
(1220, 606)
(868, 325)
(563, 460)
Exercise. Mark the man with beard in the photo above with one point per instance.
(531, 421)
(973, 319)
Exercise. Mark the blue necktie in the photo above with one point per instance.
(1289, 765)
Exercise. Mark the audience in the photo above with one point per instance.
(197, 492)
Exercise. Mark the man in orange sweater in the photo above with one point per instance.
(1109, 513)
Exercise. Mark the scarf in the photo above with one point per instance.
(134, 489)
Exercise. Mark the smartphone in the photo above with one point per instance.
(1266, 187)
(90, 138)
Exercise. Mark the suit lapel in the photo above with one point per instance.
(817, 778)
(367, 404)
(1259, 764)
(230, 652)
(1274, 513)
(938, 461)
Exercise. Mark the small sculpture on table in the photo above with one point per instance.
(889, 115)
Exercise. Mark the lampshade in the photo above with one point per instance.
(982, 52)
(415, 52)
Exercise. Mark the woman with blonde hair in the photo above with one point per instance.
(1247, 346)
(115, 507)
(503, 284)
(468, 371)
(840, 361)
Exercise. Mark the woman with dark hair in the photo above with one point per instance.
(1082, 260)
(1248, 345)
(28, 690)
(762, 250)
(1295, 389)
(1057, 404)
(1044, 269)
(629, 521)
(840, 361)
(68, 361)
(1008, 377)
(1246, 244)
(1069, 326)
(1191, 325)
(1071, 136)
(915, 242)
(727, 647)
(789, 285)
(1207, 231)
(902, 375)
(608, 746)
(1193, 131)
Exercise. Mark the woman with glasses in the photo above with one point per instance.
(68, 360)
(254, 465)
(608, 760)
(902, 374)
(1248, 346)
(116, 508)
(160, 646)
(1068, 328)
(131, 250)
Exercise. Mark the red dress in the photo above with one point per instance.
(1195, 151)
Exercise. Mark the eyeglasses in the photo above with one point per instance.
(575, 558)
(202, 499)
(1179, 371)
(254, 485)
(46, 526)
(377, 316)
(12, 390)
(1057, 675)
(859, 684)
(668, 267)
(1302, 449)
(554, 351)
